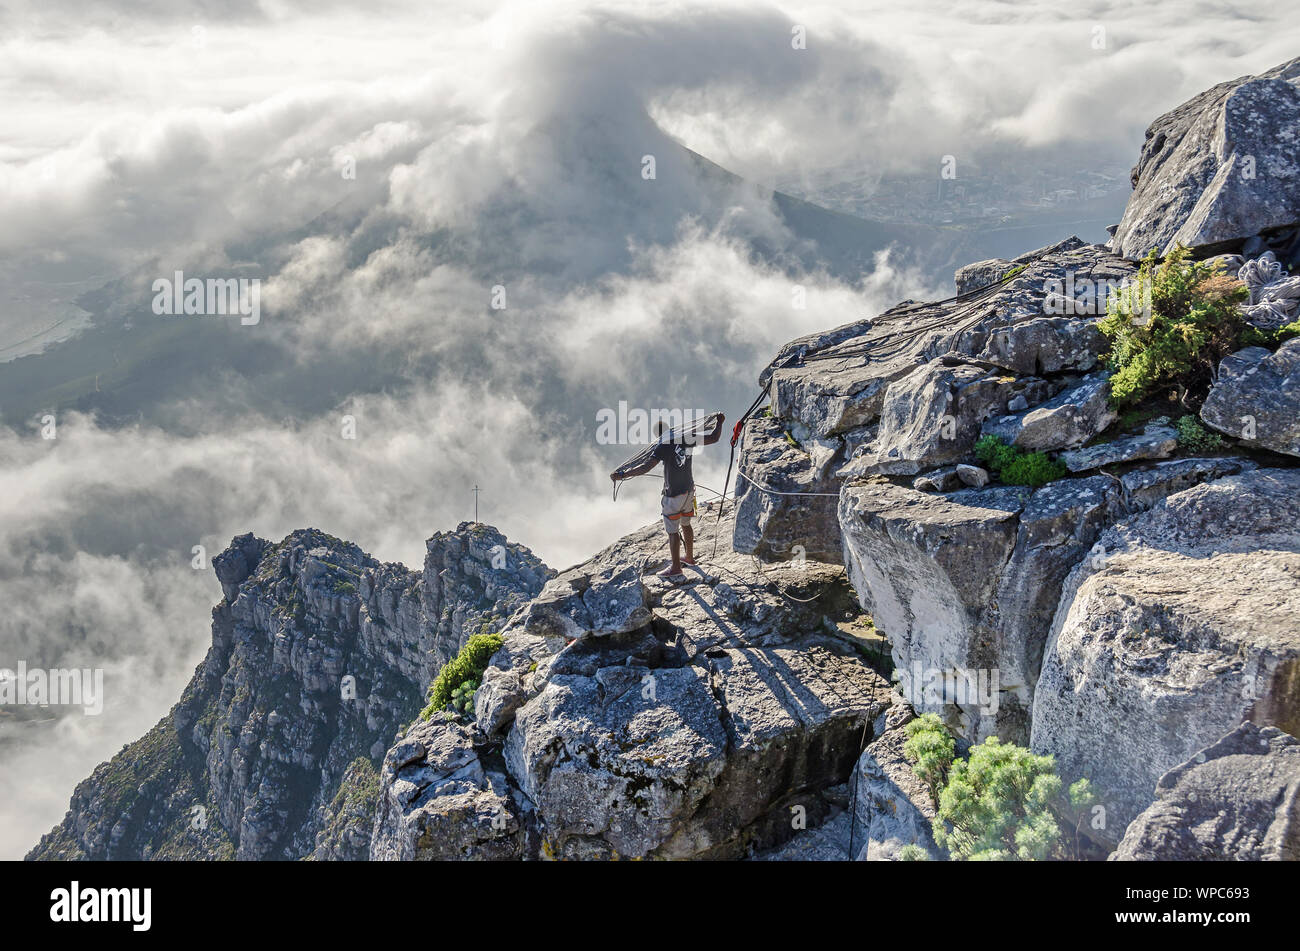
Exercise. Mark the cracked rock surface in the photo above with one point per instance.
(696, 735)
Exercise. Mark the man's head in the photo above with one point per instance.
(660, 428)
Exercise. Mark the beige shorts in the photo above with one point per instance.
(678, 510)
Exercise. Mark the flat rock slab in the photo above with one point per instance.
(1145, 487)
(1154, 442)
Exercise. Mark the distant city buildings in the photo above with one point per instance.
(977, 194)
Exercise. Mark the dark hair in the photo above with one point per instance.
(660, 426)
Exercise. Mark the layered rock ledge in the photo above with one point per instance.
(626, 717)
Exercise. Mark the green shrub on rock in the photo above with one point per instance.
(461, 676)
(1193, 323)
(1004, 802)
(1033, 469)
(1001, 802)
(1194, 437)
(929, 748)
(1015, 466)
(993, 453)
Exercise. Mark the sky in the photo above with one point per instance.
(494, 146)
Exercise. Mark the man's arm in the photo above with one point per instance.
(638, 471)
(714, 436)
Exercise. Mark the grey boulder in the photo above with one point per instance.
(932, 417)
(785, 503)
(1238, 798)
(1219, 168)
(577, 604)
(981, 274)
(1144, 487)
(1179, 625)
(940, 480)
(1156, 441)
(1257, 398)
(438, 802)
(1066, 421)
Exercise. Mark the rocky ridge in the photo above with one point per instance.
(627, 717)
(1137, 609)
(319, 655)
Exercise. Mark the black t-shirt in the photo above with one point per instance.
(676, 459)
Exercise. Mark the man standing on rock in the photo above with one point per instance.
(678, 505)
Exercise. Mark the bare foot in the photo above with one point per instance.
(671, 571)
(688, 561)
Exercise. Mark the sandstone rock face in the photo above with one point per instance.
(237, 562)
(830, 404)
(1182, 627)
(319, 654)
(1257, 398)
(511, 678)
(637, 761)
(932, 416)
(972, 277)
(140, 805)
(694, 736)
(347, 821)
(471, 575)
(439, 802)
(1066, 421)
(1156, 441)
(966, 584)
(908, 391)
(1238, 798)
(1220, 168)
(1042, 320)
(924, 567)
(894, 806)
(776, 526)
(827, 842)
(820, 340)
